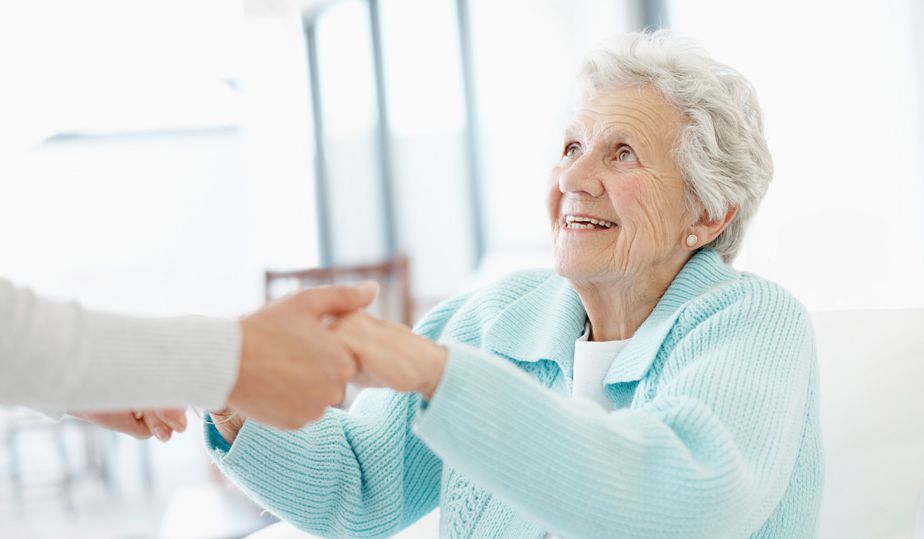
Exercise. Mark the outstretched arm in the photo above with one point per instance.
(279, 365)
(710, 455)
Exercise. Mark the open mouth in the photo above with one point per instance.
(576, 222)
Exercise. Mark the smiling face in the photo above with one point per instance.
(616, 198)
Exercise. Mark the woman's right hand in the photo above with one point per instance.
(228, 422)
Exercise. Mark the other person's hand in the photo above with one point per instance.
(141, 424)
(391, 355)
(292, 366)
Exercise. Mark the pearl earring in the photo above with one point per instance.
(691, 240)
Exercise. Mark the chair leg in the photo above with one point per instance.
(67, 480)
(147, 476)
(15, 472)
(105, 445)
(97, 443)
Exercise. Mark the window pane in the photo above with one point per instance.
(148, 211)
(422, 66)
(349, 116)
(525, 57)
(426, 113)
(69, 68)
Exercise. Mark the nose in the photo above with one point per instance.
(582, 177)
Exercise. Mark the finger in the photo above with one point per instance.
(334, 347)
(341, 326)
(335, 395)
(175, 419)
(135, 426)
(139, 431)
(352, 327)
(161, 430)
(339, 299)
(122, 422)
(340, 362)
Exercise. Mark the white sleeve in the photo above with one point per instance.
(61, 356)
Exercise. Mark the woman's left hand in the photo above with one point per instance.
(391, 355)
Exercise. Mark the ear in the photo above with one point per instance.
(707, 229)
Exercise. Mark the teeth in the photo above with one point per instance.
(586, 222)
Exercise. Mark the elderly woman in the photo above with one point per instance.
(643, 389)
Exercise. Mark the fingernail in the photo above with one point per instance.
(176, 425)
(138, 414)
(161, 433)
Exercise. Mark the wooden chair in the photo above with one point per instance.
(393, 303)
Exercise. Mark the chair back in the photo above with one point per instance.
(393, 303)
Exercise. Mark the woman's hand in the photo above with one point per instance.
(228, 423)
(391, 355)
(141, 424)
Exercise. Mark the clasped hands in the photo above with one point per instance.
(297, 355)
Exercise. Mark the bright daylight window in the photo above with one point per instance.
(120, 131)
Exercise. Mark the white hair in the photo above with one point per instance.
(721, 150)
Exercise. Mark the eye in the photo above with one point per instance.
(625, 153)
(572, 149)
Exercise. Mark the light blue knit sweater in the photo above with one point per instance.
(714, 433)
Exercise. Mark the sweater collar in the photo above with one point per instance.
(544, 323)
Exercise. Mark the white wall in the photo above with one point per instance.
(843, 223)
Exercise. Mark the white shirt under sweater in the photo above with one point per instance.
(591, 361)
(59, 356)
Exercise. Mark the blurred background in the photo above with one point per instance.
(188, 156)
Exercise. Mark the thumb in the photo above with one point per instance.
(332, 300)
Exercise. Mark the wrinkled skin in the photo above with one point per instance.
(617, 164)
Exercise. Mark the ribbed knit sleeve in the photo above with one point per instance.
(708, 455)
(357, 474)
(60, 355)
(361, 473)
